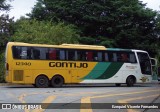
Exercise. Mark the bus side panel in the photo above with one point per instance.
(28, 76)
(51, 73)
(28, 70)
(104, 72)
(130, 69)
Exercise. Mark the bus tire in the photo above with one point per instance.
(42, 82)
(118, 84)
(57, 81)
(130, 81)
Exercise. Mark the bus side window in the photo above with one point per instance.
(115, 57)
(76, 55)
(89, 56)
(36, 53)
(81, 55)
(29, 53)
(112, 56)
(95, 56)
(124, 57)
(23, 54)
(70, 55)
(43, 52)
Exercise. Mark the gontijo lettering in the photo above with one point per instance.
(73, 63)
(68, 64)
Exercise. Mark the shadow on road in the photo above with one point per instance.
(87, 86)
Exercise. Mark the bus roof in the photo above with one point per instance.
(74, 46)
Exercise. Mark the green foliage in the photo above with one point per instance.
(33, 31)
(6, 29)
(4, 6)
(97, 41)
(157, 29)
(2, 66)
(5, 24)
(117, 23)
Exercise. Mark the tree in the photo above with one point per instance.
(6, 29)
(158, 37)
(5, 33)
(33, 31)
(125, 23)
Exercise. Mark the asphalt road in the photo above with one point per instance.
(81, 98)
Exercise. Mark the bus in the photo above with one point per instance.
(55, 65)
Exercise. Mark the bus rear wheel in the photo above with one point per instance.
(41, 81)
(130, 81)
(57, 81)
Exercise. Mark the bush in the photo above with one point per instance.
(33, 31)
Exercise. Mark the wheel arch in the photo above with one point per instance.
(132, 76)
(41, 81)
(135, 80)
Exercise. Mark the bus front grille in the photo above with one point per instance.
(18, 75)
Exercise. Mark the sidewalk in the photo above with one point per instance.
(7, 84)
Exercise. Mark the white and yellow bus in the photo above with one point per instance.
(55, 65)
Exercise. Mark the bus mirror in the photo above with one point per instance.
(153, 62)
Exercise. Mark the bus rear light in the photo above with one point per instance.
(7, 66)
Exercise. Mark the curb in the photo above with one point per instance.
(155, 81)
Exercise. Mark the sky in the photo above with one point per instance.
(153, 4)
(22, 7)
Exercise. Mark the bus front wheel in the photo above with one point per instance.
(41, 81)
(57, 81)
(130, 81)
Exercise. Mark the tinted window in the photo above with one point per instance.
(43, 53)
(112, 56)
(62, 54)
(81, 55)
(22, 52)
(128, 57)
(132, 58)
(54, 54)
(99, 56)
